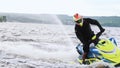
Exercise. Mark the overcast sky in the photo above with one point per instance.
(84, 7)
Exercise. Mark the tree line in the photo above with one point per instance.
(3, 19)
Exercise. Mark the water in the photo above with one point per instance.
(46, 44)
(71, 53)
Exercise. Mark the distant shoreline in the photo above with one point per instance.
(108, 21)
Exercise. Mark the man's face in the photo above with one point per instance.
(79, 22)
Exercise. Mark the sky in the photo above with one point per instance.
(69, 7)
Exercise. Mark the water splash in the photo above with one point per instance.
(63, 29)
(71, 54)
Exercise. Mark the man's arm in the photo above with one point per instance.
(95, 22)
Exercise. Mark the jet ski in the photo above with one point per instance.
(106, 50)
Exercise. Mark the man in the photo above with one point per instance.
(85, 34)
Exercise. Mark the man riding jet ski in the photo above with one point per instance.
(84, 32)
(104, 49)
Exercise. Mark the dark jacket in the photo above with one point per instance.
(85, 33)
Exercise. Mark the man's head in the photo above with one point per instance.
(78, 19)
